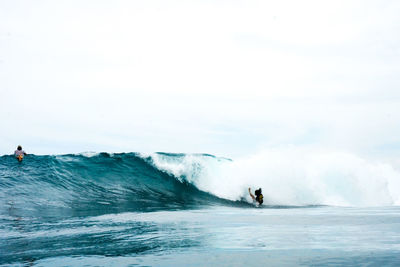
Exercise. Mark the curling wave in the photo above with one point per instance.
(93, 184)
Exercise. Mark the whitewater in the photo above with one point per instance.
(166, 209)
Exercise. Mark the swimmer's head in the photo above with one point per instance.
(19, 148)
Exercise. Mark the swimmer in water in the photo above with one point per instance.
(19, 153)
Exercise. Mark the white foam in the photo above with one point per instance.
(89, 154)
(291, 176)
(192, 167)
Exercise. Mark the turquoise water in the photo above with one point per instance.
(123, 209)
(219, 236)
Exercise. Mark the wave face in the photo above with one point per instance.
(81, 185)
(93, 184)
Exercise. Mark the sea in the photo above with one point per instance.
(168, 209)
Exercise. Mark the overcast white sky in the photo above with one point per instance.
(221, 77)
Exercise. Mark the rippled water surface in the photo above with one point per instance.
(220, 236)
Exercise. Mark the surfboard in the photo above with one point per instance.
(20, 157)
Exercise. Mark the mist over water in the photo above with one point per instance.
(291, 176)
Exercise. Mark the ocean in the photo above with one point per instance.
(164, 209)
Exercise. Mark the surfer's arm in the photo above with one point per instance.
(252, 196)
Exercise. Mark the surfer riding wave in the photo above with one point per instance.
(258, 198)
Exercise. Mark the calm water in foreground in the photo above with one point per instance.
(219, 236)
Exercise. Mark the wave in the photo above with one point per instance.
(99, 183)
(95, 183)
(291, 177)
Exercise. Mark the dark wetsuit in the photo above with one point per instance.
(259, 198)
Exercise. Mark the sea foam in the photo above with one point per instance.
(290, 176)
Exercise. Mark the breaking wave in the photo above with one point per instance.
(100, 183)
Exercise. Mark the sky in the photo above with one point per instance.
(228, 78)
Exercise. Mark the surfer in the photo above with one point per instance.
(258, 197)
(19, 153)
